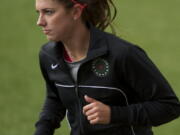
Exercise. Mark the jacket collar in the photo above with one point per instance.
(98, 44)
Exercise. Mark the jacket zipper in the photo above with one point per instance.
(77, 93)
(79, 103)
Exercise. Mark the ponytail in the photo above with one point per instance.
(97, 12)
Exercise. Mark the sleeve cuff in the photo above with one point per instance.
(44, 128)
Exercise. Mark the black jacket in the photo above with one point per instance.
(114, 72)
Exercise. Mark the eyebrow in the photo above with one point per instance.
(44, 9)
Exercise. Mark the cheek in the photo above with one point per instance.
(63, 25)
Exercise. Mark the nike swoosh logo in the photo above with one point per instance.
(54, 66)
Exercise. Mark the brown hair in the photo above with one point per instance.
(97, 12)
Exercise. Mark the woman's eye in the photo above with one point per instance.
(49, 12)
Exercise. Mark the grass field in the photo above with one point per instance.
(153, 25)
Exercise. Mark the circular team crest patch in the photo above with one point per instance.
(100, 67)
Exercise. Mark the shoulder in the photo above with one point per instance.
(48, 50)
(120, 46)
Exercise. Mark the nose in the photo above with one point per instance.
(41, 21)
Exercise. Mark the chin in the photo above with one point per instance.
(53, 39)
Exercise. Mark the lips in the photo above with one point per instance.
(46, 31)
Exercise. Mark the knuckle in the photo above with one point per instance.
(89, 118)
(87, 113)
(97, 114)
(96, 108)
(96, 103)
(97, 119)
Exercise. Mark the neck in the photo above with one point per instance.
(78, 43)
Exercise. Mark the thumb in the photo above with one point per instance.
(89, 99)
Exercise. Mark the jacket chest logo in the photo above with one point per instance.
(100, 67)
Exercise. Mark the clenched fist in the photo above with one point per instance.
(96, 112)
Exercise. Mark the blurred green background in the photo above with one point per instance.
(153, 25)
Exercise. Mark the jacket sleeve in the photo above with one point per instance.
(157, 103)
(53, 110)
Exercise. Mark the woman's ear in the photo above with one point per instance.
(77, 11)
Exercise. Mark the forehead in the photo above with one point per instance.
(41, 4)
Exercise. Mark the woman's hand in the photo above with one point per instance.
(96, 112)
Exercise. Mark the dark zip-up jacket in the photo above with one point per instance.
(114, 72)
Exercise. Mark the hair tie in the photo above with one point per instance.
(80, 4)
